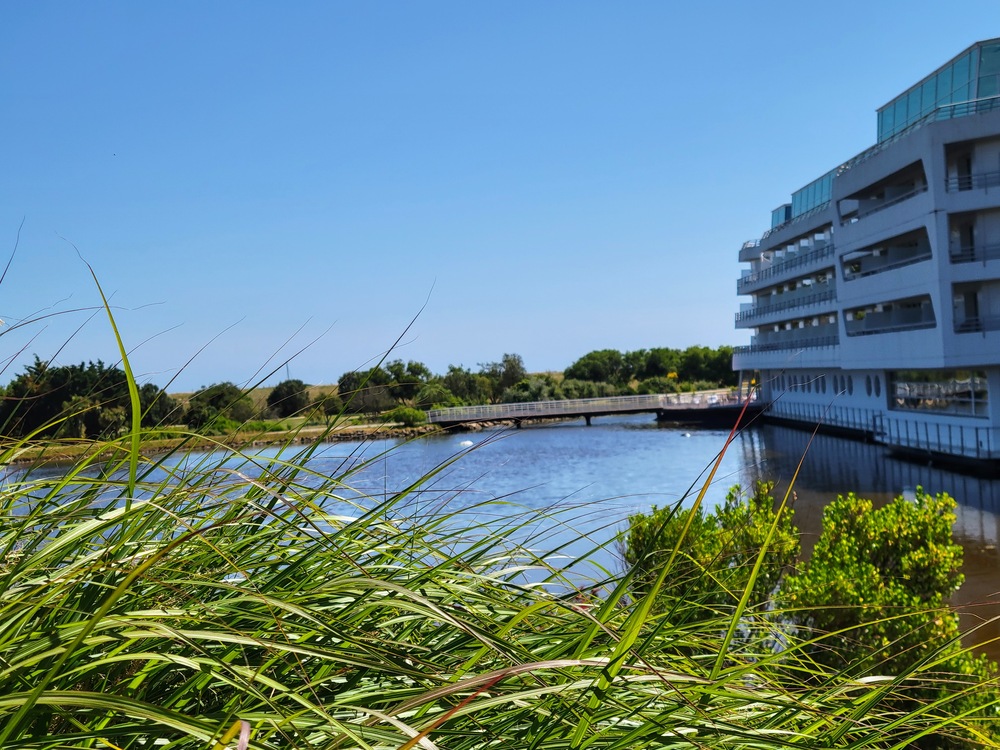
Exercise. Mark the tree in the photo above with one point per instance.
(469, 387)
(659, 363)
(221, 400)
(601, 366)
(85, 400)
(157, 407)
(287, 398)
(407, 380)
(533, 388)
(329, 405)
(365, 391)
(506, 373)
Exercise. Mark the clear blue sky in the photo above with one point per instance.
(248, 179)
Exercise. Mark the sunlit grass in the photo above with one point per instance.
(226, 599)
(228, 588)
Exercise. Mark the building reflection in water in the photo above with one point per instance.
(834, 465)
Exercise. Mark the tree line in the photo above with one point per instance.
(91, 400)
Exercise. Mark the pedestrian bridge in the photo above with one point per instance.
(715, 408)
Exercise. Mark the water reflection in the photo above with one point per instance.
(834, 465)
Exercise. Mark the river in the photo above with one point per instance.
(595, 477)
(590, 479)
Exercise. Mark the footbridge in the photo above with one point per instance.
(717, 408)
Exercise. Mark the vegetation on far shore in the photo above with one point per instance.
(91, 400)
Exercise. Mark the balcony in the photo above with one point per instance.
(974, 253)
(754, 279)
(791, 343)
(757, 311)
(904, 250)
(874, 205)
(891, 317)
(981, 181)
(978, 324)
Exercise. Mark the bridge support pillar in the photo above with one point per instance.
(587, 417)
(517, 424)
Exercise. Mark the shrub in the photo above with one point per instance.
(876, 588)
(717, 551)
(406, 415)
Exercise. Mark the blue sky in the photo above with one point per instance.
(252, 181)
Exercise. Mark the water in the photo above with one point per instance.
(590, 479)
(619, 466)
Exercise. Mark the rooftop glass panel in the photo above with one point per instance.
(974, 74)
(815, 194)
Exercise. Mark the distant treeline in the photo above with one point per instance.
(92, 400)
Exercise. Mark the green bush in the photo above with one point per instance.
(714, 553)
(877, 588)
(406, 415)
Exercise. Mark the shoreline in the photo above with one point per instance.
(64, 451)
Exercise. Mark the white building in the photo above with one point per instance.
(875, 295)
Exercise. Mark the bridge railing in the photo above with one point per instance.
(573, 407)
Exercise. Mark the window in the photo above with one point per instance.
(960, 392)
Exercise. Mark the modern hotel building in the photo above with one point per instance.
(875, 295)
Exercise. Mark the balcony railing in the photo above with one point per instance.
(978, 324)
(883, 205)
(784, 266)
(980, 181)
(877, 323)
(854, 275)
(975, 253)
(944, 112)
(809, 299)
(796, 343)
(795, 219)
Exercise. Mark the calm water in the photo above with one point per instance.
(593, 478)
(619, 466)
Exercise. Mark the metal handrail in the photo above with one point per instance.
(889, 266)
(977, 181)
(569, 407)
(972, 253)
(805, 343)
(885, 204)
(944, 112)
(804, 301)
(786, 265)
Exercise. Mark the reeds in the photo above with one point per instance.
(228, 600)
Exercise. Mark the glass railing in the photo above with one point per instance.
(978, 324)
(946, 112)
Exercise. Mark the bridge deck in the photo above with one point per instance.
(662, 404)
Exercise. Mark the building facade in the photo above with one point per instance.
(875, 296)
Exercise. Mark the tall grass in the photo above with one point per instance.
(232, 601)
